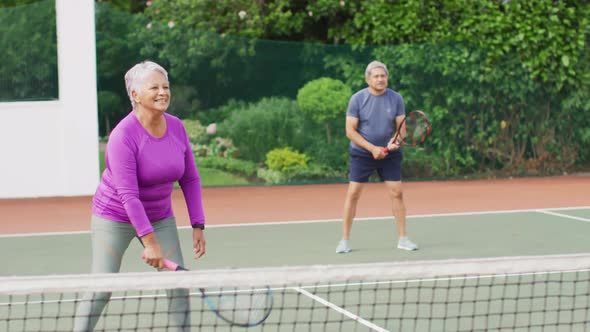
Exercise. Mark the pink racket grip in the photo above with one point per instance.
(170, 265)
(385, 150)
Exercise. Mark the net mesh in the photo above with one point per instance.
(549, 293)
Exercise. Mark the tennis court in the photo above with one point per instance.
(440, 236)
(374, 304)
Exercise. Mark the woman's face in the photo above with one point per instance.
(154, 93)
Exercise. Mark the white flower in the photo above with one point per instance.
(211, 129)
(310, 13)
(149, 25)
(242, 14)
(170, 24)
(342, 3)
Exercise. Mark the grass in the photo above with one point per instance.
(215, 177)
(209, 177)
(101, 161)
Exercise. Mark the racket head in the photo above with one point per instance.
(396, 133)
(240, 307)
(237, 307)
(417, 127)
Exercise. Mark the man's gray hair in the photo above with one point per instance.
(375, 64)
(135, 76)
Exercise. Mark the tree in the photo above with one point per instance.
(14, 3)
(324, 100)
(28, 70)
(116, 52)
(474, 65)
(130, 6)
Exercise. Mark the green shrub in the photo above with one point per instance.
(312, 173)
(219, 114)
(108, 102)
(334, 156)
(263, 126)
(271, 176)
(286, 160)
(421, 163)
(317, 172)
(195, 131)
(185, 101)
(219, 146)
(324, 100)
(231, 165)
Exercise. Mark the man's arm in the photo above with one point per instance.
(353, 134)
(401, 124)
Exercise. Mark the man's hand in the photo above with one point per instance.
(378, 152)
(393, 145)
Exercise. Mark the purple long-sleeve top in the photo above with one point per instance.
(136, 186)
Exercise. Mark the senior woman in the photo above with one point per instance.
(147, 152)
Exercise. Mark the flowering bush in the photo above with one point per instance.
(286, 160)
(195, 130)
(203, 143)
(219, 146)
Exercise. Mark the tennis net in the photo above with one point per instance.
(528, 293)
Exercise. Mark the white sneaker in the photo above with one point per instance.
(404, 243)
(343, 247)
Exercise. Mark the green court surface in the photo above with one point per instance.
(580, 213)
(440, 237)
(509, 233)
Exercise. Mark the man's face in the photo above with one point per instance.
(377, 79)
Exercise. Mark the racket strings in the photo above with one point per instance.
(417, 129)
(241, 307)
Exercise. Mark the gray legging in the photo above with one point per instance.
(110, 239)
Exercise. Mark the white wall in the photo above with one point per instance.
(51, 148)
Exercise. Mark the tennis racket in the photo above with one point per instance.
(413, 130)
(237, 307)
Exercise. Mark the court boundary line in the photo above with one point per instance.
(312, 221)
(563, 215)
(340, 310)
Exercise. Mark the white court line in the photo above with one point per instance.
(563, 215)
(289, 222)
(341, 310)
(43, 234)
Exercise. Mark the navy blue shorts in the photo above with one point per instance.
(388, 169)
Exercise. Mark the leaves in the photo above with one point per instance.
(28, 70)
(324, 99)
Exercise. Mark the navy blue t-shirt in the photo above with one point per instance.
(376, 116)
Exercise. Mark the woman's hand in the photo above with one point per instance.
(198, 242)
(152, 253)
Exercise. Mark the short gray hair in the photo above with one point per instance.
(375, 64)
(135, 76)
